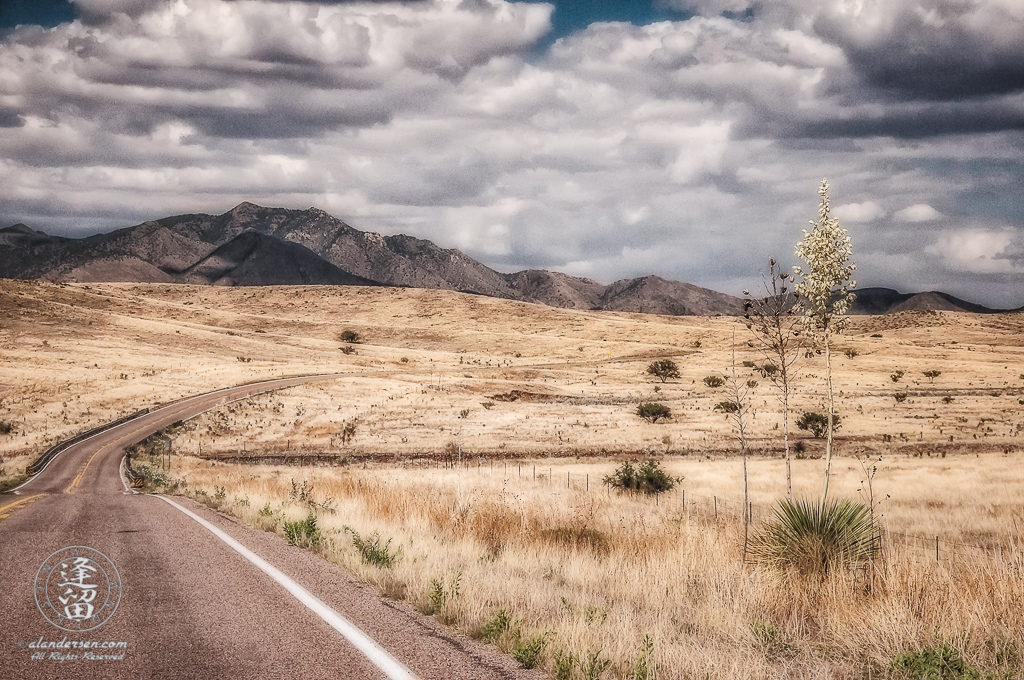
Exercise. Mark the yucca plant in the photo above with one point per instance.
(815, 537)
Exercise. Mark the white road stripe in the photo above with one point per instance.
(392, 667)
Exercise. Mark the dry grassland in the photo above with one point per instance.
(598, 571)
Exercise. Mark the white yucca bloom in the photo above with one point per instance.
(825, 286)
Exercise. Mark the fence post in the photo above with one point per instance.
(567, 486)
(588, 481)
(936, 548)
(716, 508)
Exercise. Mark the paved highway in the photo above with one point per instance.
(201, 596)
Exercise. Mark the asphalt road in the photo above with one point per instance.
(191, 606)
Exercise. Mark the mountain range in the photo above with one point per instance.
(252, 245)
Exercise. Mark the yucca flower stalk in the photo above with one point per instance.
(824, 290)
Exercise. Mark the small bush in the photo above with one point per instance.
(372, 552)
(851, 353)
(768, 369)
(900, 397)
(6, 427)
(405, 360)
(748, 364)
(934, 663)
(527, 652)
(644, 668)
(896, 376)
(593, 666)
(496, 626)
(303, 533)
(727, 406)
(817, 423)
(488, 405)
(653, 412)
(931, 375)
(348, 349)
(663, 369)
(751, 384)
(714, 381)
(565, 663)
(351, 337)
(647, 478)
(947, 399)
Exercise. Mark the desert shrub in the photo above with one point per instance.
(653, 412)
(304, 532)
(876, 335)
(644, 668)
(348, 349)
(663, 369)
(748, 364)
(714, 381)
(934, 663)
(931, 374)
(593, 666)
(896, 376)
(527, 652)
(350, 336)
(488, 405)
(565, 663)
(372, 552)
(817, 423)
(947, 399)
(496, 626)
(6, 427)
(727, 406)
(405, 360)
(900, 397)
(814, 538)
(768, 369)
(648, 477)
(751, 383)
(851, 353)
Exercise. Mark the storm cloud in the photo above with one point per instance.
(690, 149)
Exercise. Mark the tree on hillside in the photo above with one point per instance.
(825, 290)
(664, 369)
(778, 328)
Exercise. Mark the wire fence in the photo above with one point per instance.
(714, 509)
(702, 508)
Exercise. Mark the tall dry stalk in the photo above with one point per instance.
(741, 410)
(778, 329)
(824, 289)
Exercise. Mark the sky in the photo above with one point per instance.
(605, 139)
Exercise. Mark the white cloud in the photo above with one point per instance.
(919, 212)
(868, 211)
(688, 149)
(975, 251)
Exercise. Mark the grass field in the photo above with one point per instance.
(443, 377)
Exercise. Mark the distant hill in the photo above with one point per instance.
(887, 300)
(255, 246)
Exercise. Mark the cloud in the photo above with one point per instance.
(868, 211)
(689, 149)
(919, 212)
(978, 251)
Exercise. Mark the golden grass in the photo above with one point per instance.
(601, 570)
(598, 571)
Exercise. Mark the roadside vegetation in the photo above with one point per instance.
(566, 578)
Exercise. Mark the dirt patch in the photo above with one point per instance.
(520, 395)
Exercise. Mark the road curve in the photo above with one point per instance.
(192, 606)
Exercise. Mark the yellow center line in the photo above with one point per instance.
(12, 508)
(78, 479)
